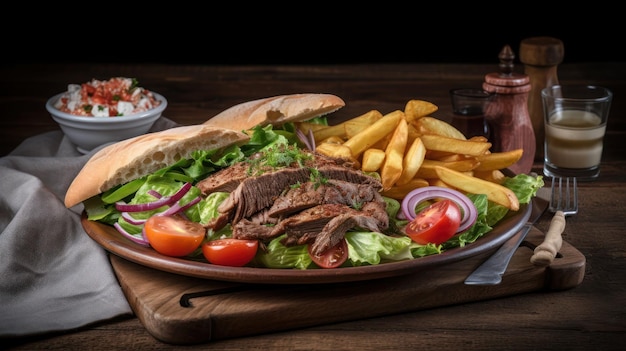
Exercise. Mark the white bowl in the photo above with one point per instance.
(90, 132)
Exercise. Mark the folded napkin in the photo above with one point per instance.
(53, 276)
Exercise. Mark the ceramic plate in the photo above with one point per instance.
(114, 242)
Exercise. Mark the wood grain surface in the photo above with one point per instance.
(233, 310)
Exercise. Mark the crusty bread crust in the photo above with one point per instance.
(134, 158)
(276, 110)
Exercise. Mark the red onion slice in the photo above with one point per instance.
(130, 219)
(308, 141)
(141, 241)
(176, 207)
(155, 193)
(419, 195)
(165, 200)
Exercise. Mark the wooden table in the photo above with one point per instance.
(589, 316)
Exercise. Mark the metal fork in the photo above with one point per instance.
(564, 198)
(563, 202)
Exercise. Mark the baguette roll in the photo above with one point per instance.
(140, 156)
(276, 110)
(137, 157)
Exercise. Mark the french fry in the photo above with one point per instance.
(375, 132)
(479, 138)
(495, 192)
(306, 126)
(415, 109)
(428, 167)
(337, 130)
(439, 155)
(382, 143)
(365, 120)
(332, 140)
(431, 125)
(412, 161)
(354, 128)
(368, 117)
(438, 182)
(372, 160)
(394, 155)
(498, 160)
(399, 192)
(456, 146)
(413, 133)
(453, 157)
(495, 176)
(334, 150)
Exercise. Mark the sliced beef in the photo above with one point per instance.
(335, 230)
(312, 194)
(256, 193)
(314, 203)
(325, 225)
(249, 230)
(225, 180)
(349, 175)
(218, 222)
(303, 228)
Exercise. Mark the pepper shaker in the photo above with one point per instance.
(508, 114)
(541, 56)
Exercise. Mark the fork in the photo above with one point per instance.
(563, 202)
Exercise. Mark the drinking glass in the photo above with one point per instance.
(468, 107)
(575, 120)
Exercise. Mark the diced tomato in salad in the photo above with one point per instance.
(117, 96)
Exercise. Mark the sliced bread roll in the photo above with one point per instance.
(277, 110)
(134, 158)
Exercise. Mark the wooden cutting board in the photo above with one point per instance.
(219, 310)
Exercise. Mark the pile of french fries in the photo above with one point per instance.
(410, 149)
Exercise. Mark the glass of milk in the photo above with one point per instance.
(575, 122)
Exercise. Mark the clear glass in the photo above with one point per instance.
(468, 107)
(575, 120)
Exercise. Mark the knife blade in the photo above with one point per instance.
(490, 272)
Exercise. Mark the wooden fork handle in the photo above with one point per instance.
(545, 253)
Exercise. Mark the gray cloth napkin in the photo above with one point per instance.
(53, 276)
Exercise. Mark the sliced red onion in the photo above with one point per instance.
(308, 141)
(419, 195)
(176, 207)
(165, 200)
(155, 193)
(141, 241)
(190, 203)
(130, 219)
(312, 140)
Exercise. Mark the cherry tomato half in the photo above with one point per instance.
(436, 223)
(230, 252)
(333, 257)
(173, 235)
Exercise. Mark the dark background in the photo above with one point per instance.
(301, 33)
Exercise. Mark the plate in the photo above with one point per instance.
(109, 238)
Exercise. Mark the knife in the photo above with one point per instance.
(490, 272)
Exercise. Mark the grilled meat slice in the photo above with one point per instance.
(312, 194)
